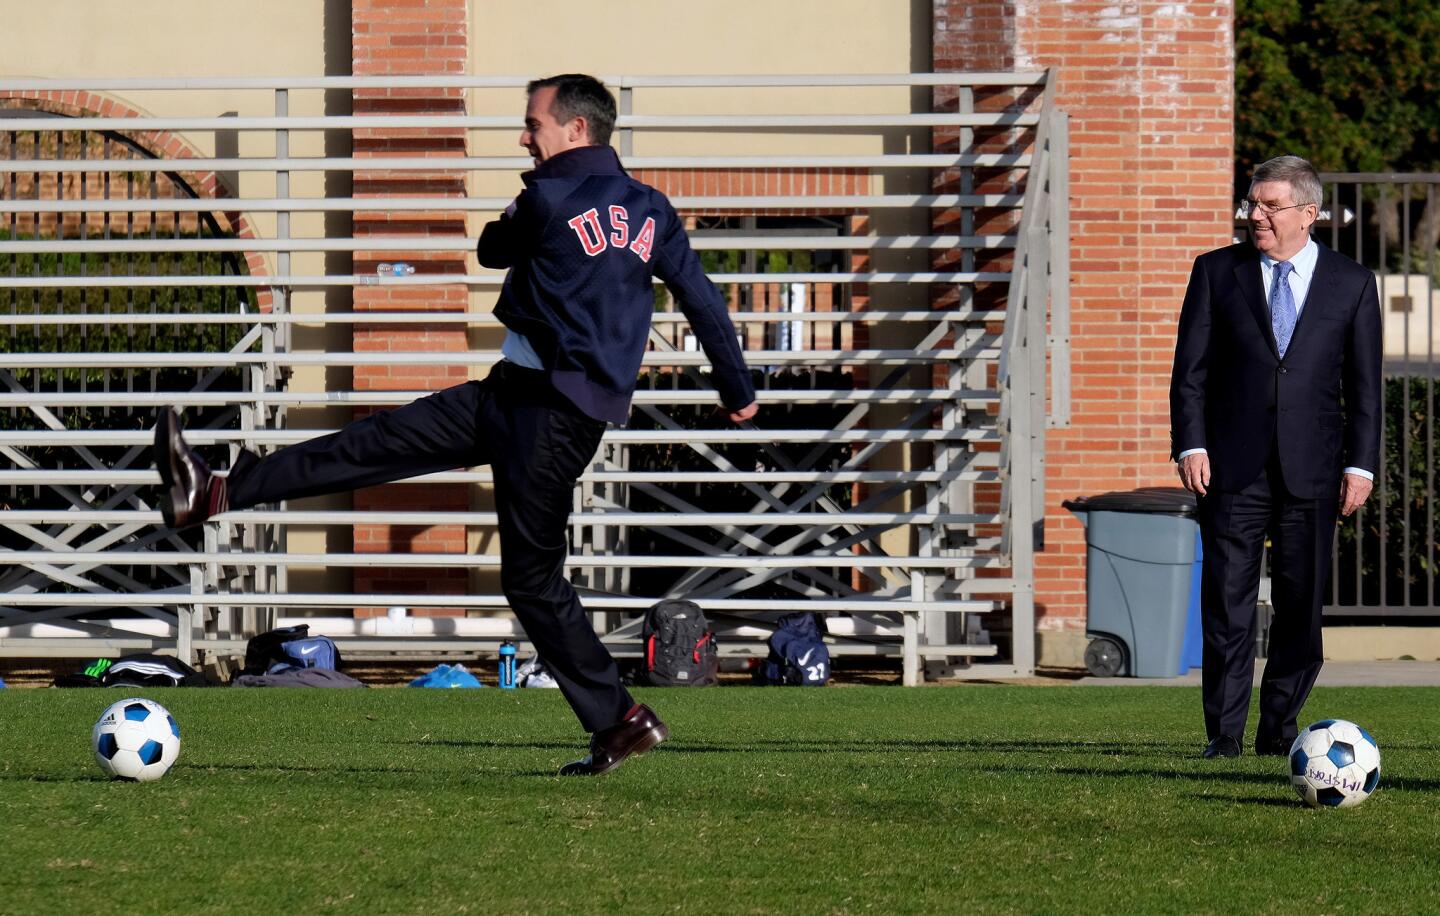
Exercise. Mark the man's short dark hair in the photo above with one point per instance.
(580, 96)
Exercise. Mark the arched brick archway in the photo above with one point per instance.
(89, 310)
(198, 184)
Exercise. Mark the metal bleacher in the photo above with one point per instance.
(909, 342)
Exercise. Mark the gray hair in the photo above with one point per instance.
(1304, 181)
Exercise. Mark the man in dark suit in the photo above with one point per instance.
(582, 243)
(1275, 425)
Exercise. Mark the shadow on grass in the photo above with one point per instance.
(17, 776)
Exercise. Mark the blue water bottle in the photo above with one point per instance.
(507, 665)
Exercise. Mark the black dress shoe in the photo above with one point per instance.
(635, 734)
(1273, 747)
(1223, 746)
(189, 493)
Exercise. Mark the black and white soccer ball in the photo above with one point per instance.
(136, 739)
(1334, 764)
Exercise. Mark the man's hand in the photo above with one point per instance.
(744, 413)
(1354, 490)
(1194, 472)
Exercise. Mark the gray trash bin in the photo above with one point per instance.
(1140, 560)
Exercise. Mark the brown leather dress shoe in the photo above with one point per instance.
(635, 734)
(189, 493)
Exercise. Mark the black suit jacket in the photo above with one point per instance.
(1232, 395)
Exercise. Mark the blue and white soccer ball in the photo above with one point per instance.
(136, 739)
(1334, 764)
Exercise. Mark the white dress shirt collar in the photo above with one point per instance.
(1304, 262)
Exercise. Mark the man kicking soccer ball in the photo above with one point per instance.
(581, 242)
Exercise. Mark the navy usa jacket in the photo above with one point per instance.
(1232, 395)
(582, 243)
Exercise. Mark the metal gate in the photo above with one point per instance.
(1386, 552)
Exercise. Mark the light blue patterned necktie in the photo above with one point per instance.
(1282, 306)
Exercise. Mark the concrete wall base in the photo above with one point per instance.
(1366, 644)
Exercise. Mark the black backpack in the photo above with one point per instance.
(798, 654)
(679, 647)
(289, 647)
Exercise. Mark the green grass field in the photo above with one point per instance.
(846, 800)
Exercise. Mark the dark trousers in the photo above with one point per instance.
(1233, 527)
(538, 445)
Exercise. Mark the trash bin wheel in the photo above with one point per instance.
(1104, 657)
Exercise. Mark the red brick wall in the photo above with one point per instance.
(777, 182)
(399, 38)
(1149, 90)
(973, 35)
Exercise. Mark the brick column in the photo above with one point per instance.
(406, 38)
(1149, 90)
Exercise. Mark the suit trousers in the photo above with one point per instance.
(538, 445)
(1233, 529)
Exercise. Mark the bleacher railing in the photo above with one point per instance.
(895, 484)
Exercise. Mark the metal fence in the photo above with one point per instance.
(895, 486)
(1386, 552)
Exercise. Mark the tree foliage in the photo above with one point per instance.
(1351, 85)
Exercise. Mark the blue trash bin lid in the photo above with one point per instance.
(1146, 500)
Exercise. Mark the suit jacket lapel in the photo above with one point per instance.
(1247, 276)
(1324, 270)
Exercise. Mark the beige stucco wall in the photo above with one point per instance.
(696, 36)
(657, 37)
(79, 38)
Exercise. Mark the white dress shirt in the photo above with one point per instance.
(518, 350)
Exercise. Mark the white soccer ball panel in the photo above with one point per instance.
(1315, 741)
(152, 771)
(1348, 732)
(1367, 755)
(131, 735)
(1350, 779)
(125, 765)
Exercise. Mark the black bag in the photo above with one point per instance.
(679, 647)
(140, 670)
(289, 647)
(798, 655)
